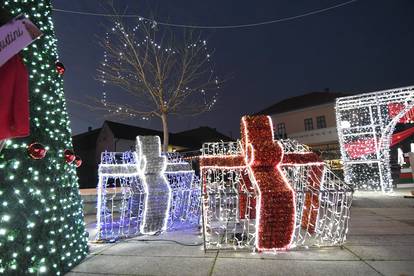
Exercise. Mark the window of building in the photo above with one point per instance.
(320, 122)
(281, 130)
(308, 124)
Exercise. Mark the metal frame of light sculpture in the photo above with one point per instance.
(120, 195)
(365, 125)
(232, 198)
(126, 181)
(157, 188)
(323, 201)
(185, 192)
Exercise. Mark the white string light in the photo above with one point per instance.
(143, 192)
(238, 26)
(365, 126)
(229, 225)
(116, 64)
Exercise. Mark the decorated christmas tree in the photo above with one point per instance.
(41, 220)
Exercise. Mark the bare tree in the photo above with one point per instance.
(166, 71)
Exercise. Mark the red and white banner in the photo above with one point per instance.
(395, 108)
(362, 147)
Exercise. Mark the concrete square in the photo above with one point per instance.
(381, 233)
(395, 213)
(384, 252)
(87, 274)
(380, 227)
(394, 268)
(326, 253)
(227, 266)
(133, 265)
(380, 240)
(155, 248)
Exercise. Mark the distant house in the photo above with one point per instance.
(309, 119)
(84, 145)
(119, 137)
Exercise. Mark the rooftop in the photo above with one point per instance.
(302, 101)
(86, 140)
(192, 139)
(130, 132)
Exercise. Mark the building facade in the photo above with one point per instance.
(309, 119)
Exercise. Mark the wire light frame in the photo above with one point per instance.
(365, 125)
(229, 203)
(185, 209)
(144, 192)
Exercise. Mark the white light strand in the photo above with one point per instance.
(225, 228)
(249, 25)
(143, 192)
(138, 39)
(365, 127)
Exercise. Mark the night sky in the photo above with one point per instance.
(365, 46)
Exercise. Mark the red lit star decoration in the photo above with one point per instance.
(263, 158)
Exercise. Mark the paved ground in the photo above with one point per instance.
(380, 242)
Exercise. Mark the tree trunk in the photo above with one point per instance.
(165, 130)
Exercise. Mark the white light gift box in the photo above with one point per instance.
(230, 206)
(157, 189)
(185, 192)
(144, 192)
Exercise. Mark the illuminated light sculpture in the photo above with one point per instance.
(365, 125)
(252, 197)
(363, 147)
(143, 192)
(185, 192)
(157, 189)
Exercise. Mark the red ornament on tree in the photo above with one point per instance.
(60, 68)
(78, 161)
(36, 151)
(69, 156)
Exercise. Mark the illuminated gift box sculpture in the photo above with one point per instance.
(270, 195)
(366, 124)
(185, 187)
(143, 192)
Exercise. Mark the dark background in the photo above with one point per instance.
(361, 47)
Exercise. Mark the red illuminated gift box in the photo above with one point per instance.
(263, 157)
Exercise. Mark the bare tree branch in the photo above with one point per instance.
(165, 72)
